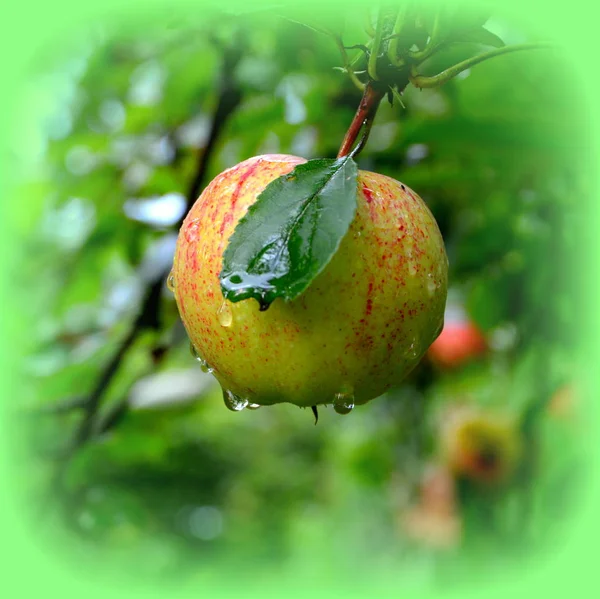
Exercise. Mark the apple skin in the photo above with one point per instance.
(459, 343)
(359, 328)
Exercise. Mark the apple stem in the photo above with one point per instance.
(365, 114)
(315, 411)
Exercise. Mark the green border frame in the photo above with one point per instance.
(28, 29)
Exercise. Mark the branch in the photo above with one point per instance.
(365, 114)
(347, 67)
(422, 81)
(90, 408)
(229, 98)
(397, 32)
(372, 64)
(65, 406)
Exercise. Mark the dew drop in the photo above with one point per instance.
(171, 282)
(431, 284)
(203, 363)
(234, 402)
(411, 266)
(205, 367)
(225, 315)
(191, 231)
(343, 401)
(412, 351)
(253, 406)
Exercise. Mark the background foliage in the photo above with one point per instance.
(171, 481)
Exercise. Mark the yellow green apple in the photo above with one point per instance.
(358, 329)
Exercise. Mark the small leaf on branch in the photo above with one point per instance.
(291, 232)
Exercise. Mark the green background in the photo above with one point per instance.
(34, 566)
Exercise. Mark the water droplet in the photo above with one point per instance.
(205, 367)
(431, 284)
(409, 259)
(253, 406)
(343, 401)
(191, 231)
(203, 363)
(171, 282)
(234, 402)
(225, 315)
(412, 351)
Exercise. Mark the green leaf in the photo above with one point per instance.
(481, 36)
(290, 233)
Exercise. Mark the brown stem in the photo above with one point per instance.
(367, 124)
(365, 114)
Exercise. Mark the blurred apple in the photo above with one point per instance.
(460, 342)
(481, 445)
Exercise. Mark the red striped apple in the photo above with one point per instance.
(358, 329)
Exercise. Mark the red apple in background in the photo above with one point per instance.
(460, 341)
(359, 328)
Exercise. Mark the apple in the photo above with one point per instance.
(460, 342)
(362, 324)
(480, 445)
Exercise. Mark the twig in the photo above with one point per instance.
(91, 406)
(347, 67)
(421, 81)
(64, 406)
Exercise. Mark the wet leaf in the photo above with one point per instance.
(291, 232)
